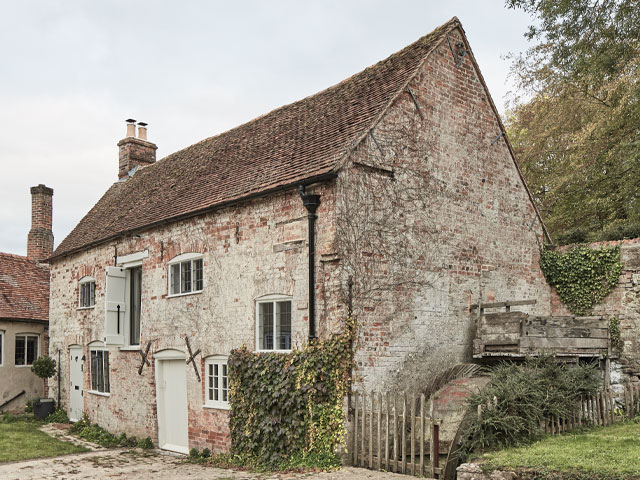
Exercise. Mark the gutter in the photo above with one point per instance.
(263, 193)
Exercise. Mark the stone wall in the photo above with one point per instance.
(623, 302)
(432, 218)
(250, 250)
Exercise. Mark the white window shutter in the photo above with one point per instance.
(114, 318)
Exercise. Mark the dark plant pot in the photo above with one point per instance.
(43, 408)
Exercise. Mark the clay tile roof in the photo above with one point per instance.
(24, 288)
(291, 144)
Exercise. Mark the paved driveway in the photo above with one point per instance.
(143, 465)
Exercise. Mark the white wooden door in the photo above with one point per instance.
(76, 393)
(171, 392)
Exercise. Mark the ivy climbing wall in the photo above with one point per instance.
(622, 305)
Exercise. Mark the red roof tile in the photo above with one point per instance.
(24, 288)
(291, 144)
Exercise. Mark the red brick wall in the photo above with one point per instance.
(465, 216)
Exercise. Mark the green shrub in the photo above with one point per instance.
(146, 443)
(206, 453)
(96, 434)
(59, 416)
(520, 396)
(28, 408)
(44, 367)
(193, 453)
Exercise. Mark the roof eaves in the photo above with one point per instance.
(328, 175)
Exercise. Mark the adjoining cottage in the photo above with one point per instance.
(393, 194)
(24, 307)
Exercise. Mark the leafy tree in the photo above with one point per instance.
(577, 138)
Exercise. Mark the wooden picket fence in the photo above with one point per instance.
(393, 433)
(603, 408)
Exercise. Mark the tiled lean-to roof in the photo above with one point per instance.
(291, 144)
(24, 288)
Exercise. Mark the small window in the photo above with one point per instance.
(26, 349)
(87, 293)
(99, 369)
(274, 324)
(185, 274)
(1, 348)
(217, 382)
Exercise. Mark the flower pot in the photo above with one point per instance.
(43, 408)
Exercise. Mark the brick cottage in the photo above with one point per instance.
(24, 308)
(394, 193)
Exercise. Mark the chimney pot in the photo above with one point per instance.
(142, 130)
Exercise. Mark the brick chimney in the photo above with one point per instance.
(40, 239)
(135, 151)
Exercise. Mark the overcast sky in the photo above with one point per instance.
(72, 71)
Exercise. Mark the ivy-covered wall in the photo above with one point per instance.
(622, 303)
(287, 408)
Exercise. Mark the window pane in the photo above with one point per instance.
(32, 349)
(136, 297)
(283, 325)
(92, 294)
(225, 387)
(83, 295)
(186, 276)
(215, 382)
(100, 372)
(107, 386)
(175, 279)
(210, 382)
(94, 370)
(20, 350)
(265, 326)
(1, 345)
(197, 275)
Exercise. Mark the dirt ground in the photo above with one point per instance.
(147, 465)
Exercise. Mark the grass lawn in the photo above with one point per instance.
(605, 452)
(21, 440)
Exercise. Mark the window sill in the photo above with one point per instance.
(86, 308)
(217, 407)
(99, 394)
(24, 366)
(273, 351)
(184, 294)
(131, 348)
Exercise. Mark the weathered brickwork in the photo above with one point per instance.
(426, 217)
(470, 228)
(624, 303)
(251, 250)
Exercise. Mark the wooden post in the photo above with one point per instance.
(612, 406)
(404, 432)
(379, 430)
(580, 410)
(432, 448)
(373, 396)
(413, 434)
(386, 437)
(436, 446)
(363, 453)
(632, 399)
(395, 433)
(422, 436)
(355, 429)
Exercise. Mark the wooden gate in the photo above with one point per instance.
(393, 433)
